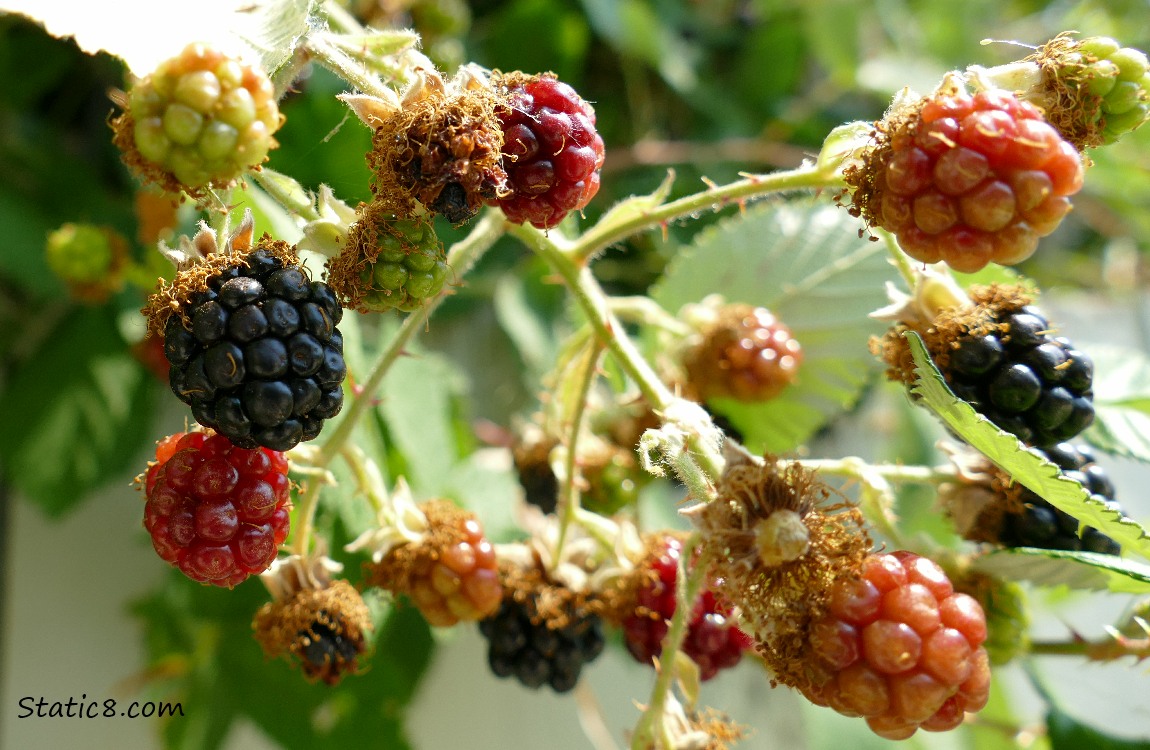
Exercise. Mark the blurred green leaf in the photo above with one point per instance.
(805, 262)
(1077, 570)
(83, 407)
(1121, 403)
(1066, 733)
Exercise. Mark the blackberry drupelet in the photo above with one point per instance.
(1042, 525)
(260, 359)
(1028, 382)
(522, 645)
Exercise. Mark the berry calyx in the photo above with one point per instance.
(253, 346)
(713, 641)
(201, 119)
(552, 152)
(388, 263)
(450, 573)
(745, 353)
(898, 647)
(216, 511)
(966, 179)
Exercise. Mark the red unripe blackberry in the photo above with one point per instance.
(551, 152)
(449, 573)
(216, 511)
(259, 358)
(900, 648)
(537, 653)
(967, 179)
(713, 642)
(746, 354)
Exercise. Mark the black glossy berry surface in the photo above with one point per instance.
(535, 654)
(262, 360)
(1025, 380)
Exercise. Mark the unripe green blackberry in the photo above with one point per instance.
(89, 259)
(201, 119)
(388, 263)
(1093, 89)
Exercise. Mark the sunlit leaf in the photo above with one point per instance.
(1077, 570)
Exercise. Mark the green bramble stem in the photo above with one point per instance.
(337, 61)
(898, 473)
(569, 493)
(651, 732)
(807, 177)
(462, 256)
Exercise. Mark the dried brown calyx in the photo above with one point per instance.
(778, 572)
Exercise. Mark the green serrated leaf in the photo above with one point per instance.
(1077, 570)
(277, 28)
(1012, 456)
(805, 262)
(81, 399)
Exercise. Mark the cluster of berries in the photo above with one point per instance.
(216, 511)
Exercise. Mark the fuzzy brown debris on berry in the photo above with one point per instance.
(441, 148)
(450, 573)
(388, 263)
(1093, 90)
(199, 121)
(776, 544)
(319, 624)
(965, 179)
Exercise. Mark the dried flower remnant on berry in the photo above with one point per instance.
(780, 593)
(1093, 90)
(450, 573)
(322, 630)
(441, 149)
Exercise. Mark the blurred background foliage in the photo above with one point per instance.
(708, 88)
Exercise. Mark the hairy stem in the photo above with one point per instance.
(600, 237)
(337, 61)
(569, 498)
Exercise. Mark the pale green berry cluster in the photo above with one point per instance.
(410, 269)
(204, 117)
(1116, 77)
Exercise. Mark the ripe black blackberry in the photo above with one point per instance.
(522, 644)
(1028, 382)
(1040, 524)
(257, 354)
